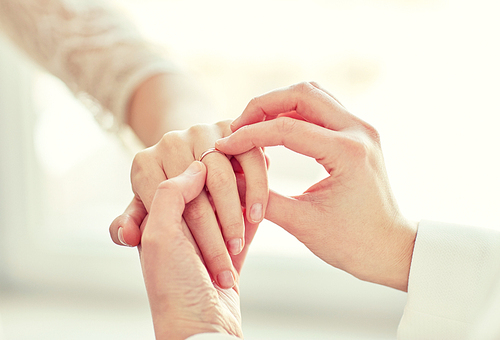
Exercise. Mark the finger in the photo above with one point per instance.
(172, 196)
(205, 229)
(305, 138)
(308, 101)
(199, 214)
(316, 85)
(221, 183)
(146, 175)
(254, 167)
(200, 225)
(238, 260)
(125, 229)
(268, 161)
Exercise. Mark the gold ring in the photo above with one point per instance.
(210, 151)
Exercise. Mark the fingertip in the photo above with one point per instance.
(221, 143)
(195, 168)
(121, 238)
(129, 232)
(226, 279)
(191, 181)
(268, 161)
(256, 213)
(235, 246)
(234, 124)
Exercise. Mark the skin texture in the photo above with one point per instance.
(350, 219)
(215, 216)
(183, 299)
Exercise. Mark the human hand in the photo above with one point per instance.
(182, 297)
(350, 219)
(169, 158)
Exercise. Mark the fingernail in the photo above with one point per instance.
(233, 125)
(194, 168)
(120, 237)
(234, 246)
(256, 212)
(225, 279)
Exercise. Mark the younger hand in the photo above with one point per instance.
(183, 299)
(215, 217)
(350, 219)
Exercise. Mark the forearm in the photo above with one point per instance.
(166, 102)
(92, 47)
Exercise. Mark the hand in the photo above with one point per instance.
(169, 158)
(182, 297)
(350, 219)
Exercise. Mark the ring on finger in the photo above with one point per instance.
(209, 151)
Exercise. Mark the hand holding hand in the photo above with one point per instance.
(183, 299)
(215, 217)
(350, 219)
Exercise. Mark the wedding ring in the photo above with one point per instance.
(210, 151)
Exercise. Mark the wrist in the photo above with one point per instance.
(166, 102)
(174, 329)
(147, 111)
(405, 233)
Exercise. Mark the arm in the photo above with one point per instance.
(351, 220)
(100, 55)
(93, 48)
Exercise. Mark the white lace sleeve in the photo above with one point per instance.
(93, 48)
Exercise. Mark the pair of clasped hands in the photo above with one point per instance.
(193, 242)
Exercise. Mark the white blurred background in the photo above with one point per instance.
(425, 73)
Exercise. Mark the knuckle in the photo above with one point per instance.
(174, 192)
(285, 125)
(141, 159)
(251, 157)
(149, 240)
(171, 142)
(198, 130)
(218, 258)
(373, 134)
(218, 179)
(196, 215)
(355, 148)
(254, 102)
(232, 229)
(258, 188)
(303, 87)
(224, 126)
(169, 186)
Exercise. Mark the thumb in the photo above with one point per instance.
(172, 195)
(125, 229)
(287, 212)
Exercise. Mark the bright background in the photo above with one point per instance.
(423, 72)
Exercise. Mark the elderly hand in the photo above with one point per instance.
(183, 299)
(211, 213)
(350, 219)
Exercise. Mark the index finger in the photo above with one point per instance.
(299, 136)
(305, 99)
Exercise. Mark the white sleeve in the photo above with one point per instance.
(453, 273)
(93, 48)
(213, 336)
